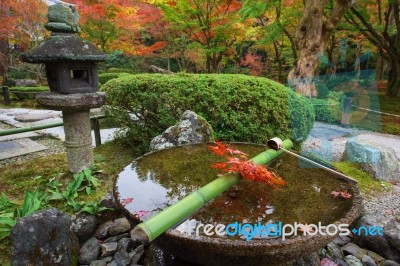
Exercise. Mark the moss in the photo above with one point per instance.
(17, 178)
(368, 185)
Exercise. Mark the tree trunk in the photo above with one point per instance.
(3, 60)
(393, 77)
(312, 36)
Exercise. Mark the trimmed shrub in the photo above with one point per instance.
(329, 110)
(28, 92)
(239, 108)
(118, 70)
(104, 77)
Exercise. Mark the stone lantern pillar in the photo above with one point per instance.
(71, 70)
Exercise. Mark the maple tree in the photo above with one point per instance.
(211, 25)
(379, 22)
(238, 162)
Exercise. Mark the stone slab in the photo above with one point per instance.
(33, 117)
(19, 136)
(13, 148)
(327, 133)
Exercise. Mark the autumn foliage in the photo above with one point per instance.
(238, 162)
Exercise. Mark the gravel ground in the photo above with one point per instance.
(388, 204)
(54, 146)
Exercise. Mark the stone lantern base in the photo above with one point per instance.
(76, 117)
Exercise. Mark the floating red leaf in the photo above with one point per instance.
(341, 194)
(237, 162)
(126, 201)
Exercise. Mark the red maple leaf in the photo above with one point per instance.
(240, 164)
(141, 213)
(341, 194)
(126, 201)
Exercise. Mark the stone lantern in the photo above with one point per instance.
(71, 70)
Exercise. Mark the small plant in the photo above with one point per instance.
(93, 207)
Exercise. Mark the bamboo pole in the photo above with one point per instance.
(153, 227)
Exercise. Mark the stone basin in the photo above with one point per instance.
(159, 179)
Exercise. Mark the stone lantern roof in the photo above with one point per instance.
(62, 47)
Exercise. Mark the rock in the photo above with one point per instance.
(33, 117)
(341, 262)
(389, 263)
(321, 253)
(392, 235)
(335, 251)
(341, 240)
(43, 238)
(116, 238)
(25, 83)
(352, 261)
(119, 226)
(125, 244)
(136, 240)
(375, 256)
(83, 225)
(113, 263)
(136, 254)
(380, 161)
(385, 245)
(90, 251)
(368, 261)
(98, 263)
(108, 259)
(102, 230)
(354, 250)
(190, 129)
(108, 201)
(122, 258)
(327, 262)
(108, 249)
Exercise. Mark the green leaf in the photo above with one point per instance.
(7, 221)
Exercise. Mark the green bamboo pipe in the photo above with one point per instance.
(153, 227)
(38, 127)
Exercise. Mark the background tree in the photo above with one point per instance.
(380, 24)
(313, 33)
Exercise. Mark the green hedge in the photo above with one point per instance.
(329, 110)
(23, 93)
(239, 108)
(104, 77)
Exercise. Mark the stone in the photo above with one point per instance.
(354, 250)
(389, 263)
(368, 261)
(125, 244)
(83, 225)
(119, 226)
(375, 256)
(108, 249)
(385, 245)
(43, 238)
(25, 83)
(341, 262)
(136, 254)
(327, 262)
(191, 129)
(378, 160)
(89, 251)
(341, 240)
(71, 102)
(101, 231)
(113, 263)
(108, 201)
(33, 117)
(334, 251)
(98, 263)
(108, 259)
(116, 238)
(136, 240)
(392, 235)
(352, 261)
(62, 18)
(122, 258)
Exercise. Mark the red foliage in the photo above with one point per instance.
(237, 162)
(254, 64)
(126, 201)
(341, 194)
